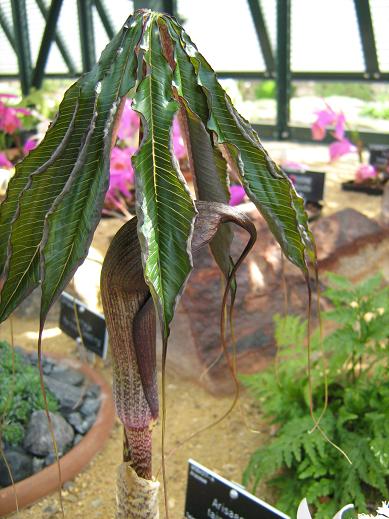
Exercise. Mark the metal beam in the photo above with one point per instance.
(169, 7)
(165, 6)
(304, 134)
(251, 75)
(22, 43)
(87, 39)
(59, 41)
(366, 33)
(47, 40)
(105, 19)
(6, 28)
(283, 68)
(309, 76)
(341, 76)
(262, 35)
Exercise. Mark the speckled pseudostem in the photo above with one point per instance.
(137, 498)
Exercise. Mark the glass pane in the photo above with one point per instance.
(68, 18)
(36, 26)
(325, 37)
(380, 15)
(269, 8)
(119, 14)
(8, 61)
(223, 33)
(101, 38)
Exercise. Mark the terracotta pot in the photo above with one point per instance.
(45, 482)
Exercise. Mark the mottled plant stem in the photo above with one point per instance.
(130, 319)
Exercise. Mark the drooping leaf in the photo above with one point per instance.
(165, 209)
(209, 166)
(54, 202)
(264, 182)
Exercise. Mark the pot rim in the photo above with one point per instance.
(46, 481)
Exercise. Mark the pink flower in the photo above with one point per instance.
(29, 145)
(296, 166)
(340, 126)
(9, 121)
(4, 162)
(339, 148)
(364, 172)
(129, 122)
(178, 141)
(237, 195)
(121, 172)
(324, 118)
(318, 131)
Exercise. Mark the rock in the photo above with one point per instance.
(20, 464)
(47, 369)
(75, 420)
(90, 406)
(68, 486)
(38, 439)
(69, 397)
(96, 503)
(50, 511)
(260, 295)
(88, 422)
(93, 391)
(31, 357)
(77, 439)
(37, 464)
(50, 459)
(67, 375)
(343, 233)
(80, 424)
(341, 238)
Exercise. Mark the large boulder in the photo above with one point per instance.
(195, 344)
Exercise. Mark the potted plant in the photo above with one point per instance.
(81, 413)
(54, 203)
(368, 178)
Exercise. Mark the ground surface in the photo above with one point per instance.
(226, 447)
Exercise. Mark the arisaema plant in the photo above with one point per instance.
(54, 202)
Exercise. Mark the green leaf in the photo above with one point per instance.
(338, 280)
(209, 167)
(264, 182)
(165, 209)
(54, 202)
(368, 287)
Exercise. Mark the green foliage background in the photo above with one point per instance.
(303, 462)
(20, 394)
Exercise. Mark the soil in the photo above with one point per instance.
(225, 448)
